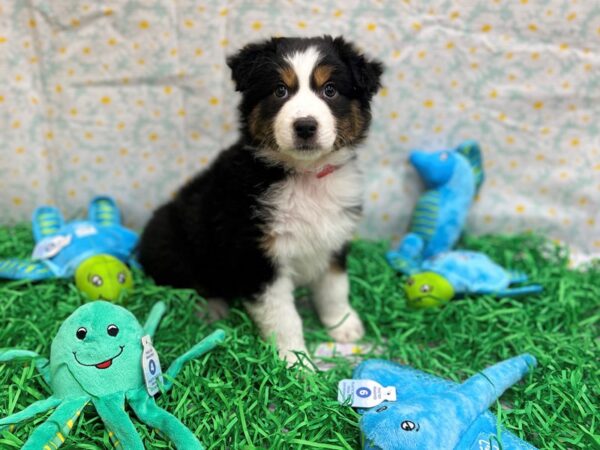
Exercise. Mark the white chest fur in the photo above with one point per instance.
(311, 218)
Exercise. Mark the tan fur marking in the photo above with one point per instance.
(288, 76)
(334, 267)
(321, 75)
(261, 130)
(267, 243)
(350, 127)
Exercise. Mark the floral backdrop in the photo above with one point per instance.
(131, 97)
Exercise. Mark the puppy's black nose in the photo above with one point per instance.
(305, 127)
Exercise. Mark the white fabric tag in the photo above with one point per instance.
(50, 246)
(85, 229)
(364, 393)
(151, 366)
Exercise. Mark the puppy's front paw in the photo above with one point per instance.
(350, 328)
(294, 356)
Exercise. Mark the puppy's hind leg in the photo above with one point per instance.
(330, 296)
(275, 314)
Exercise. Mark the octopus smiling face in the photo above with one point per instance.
(100, 346)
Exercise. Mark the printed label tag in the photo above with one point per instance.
(364, 393)
(85, 230)
(483, 442)
(50, 246)
(151, 366)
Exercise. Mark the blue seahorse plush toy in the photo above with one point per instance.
(95, 250)
(433, 413)
(451, 178)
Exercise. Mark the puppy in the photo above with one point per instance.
(278, 208)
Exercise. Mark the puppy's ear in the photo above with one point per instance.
(245, 62)
(365, 73)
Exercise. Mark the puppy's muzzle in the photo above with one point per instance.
(305, 130)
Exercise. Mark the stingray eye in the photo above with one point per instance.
(112, 330)
(410, 281)
(121, 277)
(96, 280)
(383, 408)
(407, 425)
(281, 91)
(444, 156)
(81, 333)
(425, 288)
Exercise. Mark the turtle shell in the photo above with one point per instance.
(83, 239)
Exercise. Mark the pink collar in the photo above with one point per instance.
(326, 170)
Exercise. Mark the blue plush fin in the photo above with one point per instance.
(46, 221)
(103, 210)
(517, 277)
(517, 291)
(472, 151)
(24, 269)
(407, 257)
(425, 216)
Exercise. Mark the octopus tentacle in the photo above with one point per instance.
(31, 411)
(149, 412)
(206, 344)
(53, 432)
(111, 409)
(154, 318)
(42, 364)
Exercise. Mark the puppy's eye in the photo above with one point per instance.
(281, 91)
(329, 90)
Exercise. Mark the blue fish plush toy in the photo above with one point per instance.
(451, 178)
(433, 413)
(462, 272)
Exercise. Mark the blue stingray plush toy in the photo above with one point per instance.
(432, 413)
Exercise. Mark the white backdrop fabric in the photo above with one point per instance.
(131, 97)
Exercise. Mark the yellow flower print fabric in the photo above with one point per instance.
(131, 98)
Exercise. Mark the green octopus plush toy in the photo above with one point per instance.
(96, 357)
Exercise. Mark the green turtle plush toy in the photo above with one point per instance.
(103, 277)
(102, 356)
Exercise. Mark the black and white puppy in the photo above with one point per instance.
(278, 208)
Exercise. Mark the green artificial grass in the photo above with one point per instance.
(240, 396)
